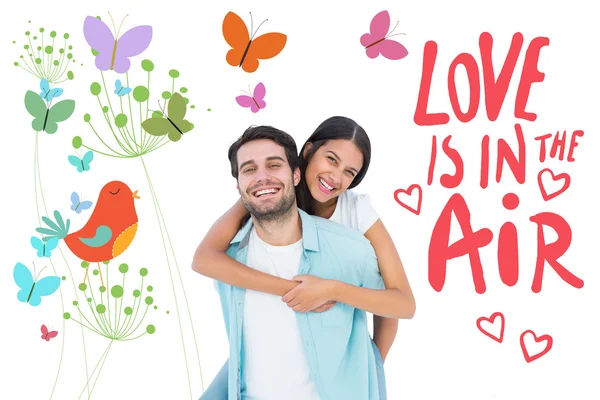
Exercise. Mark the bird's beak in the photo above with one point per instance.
(135, 195)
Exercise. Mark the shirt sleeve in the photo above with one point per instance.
(372, 278)
(366, 215)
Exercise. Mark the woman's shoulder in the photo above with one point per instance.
(355, 200)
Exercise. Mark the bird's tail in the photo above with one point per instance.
(57, 229)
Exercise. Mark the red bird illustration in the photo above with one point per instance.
(109, 230)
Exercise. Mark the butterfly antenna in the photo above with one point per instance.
(38, 275)
(390, 34)
(113, 23)
(259, 27)
(119, 31)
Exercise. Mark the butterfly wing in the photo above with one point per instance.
(262, 48)
(36, 108)
(101, 39)
(44, 287)
(380, 25)
(177, 108)
(52, 334)
(118, 86)
(76, 162)
(87, 159)
(157, 126)
(236, 35)
(44, 331)
(59, 112)
(45, 86)
(75, 201)
(130, 44)
(24, 280)
(84, 205)
(259, 95)
(246, 101)
(38, 245)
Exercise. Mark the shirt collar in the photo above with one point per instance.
(309, 233)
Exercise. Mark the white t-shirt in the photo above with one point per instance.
(275, 366)
(355, 211)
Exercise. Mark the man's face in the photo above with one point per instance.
(265, 181)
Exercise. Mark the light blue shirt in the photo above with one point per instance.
(337, 344)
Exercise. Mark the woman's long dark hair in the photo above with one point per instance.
(331, 129)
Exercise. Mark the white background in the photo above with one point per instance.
(322, 71)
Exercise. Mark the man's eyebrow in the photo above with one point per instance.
(242, 165)
(268, 159)
(275, 158)
(339, 159)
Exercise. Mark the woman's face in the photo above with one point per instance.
(332, 169)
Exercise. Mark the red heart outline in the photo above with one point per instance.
(491, 320)
(409, 192)
(547, 338)
(550, 196)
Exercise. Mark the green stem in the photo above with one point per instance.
(101, 360)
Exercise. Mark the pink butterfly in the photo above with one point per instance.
(377, 41)
(47, 335)
(114, 51)
(254, 101)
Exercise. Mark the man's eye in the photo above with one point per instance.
(275, 165)
(248, 170)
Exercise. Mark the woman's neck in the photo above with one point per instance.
(325, 210)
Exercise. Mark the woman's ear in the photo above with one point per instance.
(307, 148)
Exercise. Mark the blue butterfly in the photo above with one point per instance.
(77, 205)
(48, 94)
(44, 248)
(82, 164)
(32, 290)
(120, 89)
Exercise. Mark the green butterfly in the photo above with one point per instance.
(45, 119)
(173, 125)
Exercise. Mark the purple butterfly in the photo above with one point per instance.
(254, 101)
(114, 53)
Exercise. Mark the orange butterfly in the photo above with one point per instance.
(246, 50)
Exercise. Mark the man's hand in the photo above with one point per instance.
(312, 294)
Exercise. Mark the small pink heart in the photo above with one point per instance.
(408, 196)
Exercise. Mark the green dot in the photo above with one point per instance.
(105, 109)
(102, 289)
(121, 120)
(53, 34)
(193, 106)
(166, 95)
(42, 30)
(66, 315)
(75, 303)
(168, 312)
(61, 51)
(150, 288)
(70, 75)
(95, 88)
(183, 90)
(186, 100)
(136, 293)
(49, 49)
(55, 62)
(70, 47)
(106, 262)
(66, 35)
(156, 114)
(117, 291)
(94, 52)
(38, 60)
(69, 56)
(82, 287)
(87, 118)
(149, 300)
(77, 141)
(191, 126)
(27, 33)
(141, 93)
(208, 109)
(16, 64)
(95, 272)
(123, 268)
(26, 47)
(100, 308)
(85, 264)
(174, 73)
(89, 299)
(143, 272)
(64, 278)
(128, 310)
(147, 65)
(156, 307)
(39, 48)
(35, 38)
(150, 329)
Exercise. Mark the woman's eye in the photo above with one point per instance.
(333, 160)
(350, 173)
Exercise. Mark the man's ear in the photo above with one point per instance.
(297, 176)
(307, 148)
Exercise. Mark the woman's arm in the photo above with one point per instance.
(210, 259)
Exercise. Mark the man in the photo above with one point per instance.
(276, 353)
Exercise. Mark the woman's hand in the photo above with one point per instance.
(312, 294)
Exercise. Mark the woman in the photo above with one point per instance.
(335, 158)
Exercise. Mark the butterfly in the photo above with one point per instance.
(82, 163)
(46, 334)
(113, 52)
(32, 290)
(254, 101)
(47, 93)
(120, 89)
(376, 42)
(247, 50)
(44, 247)
(45, 119)
(174, 126)
(77, 205)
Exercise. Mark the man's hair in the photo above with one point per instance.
(264, 132)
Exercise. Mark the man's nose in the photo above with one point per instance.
(262, 174)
